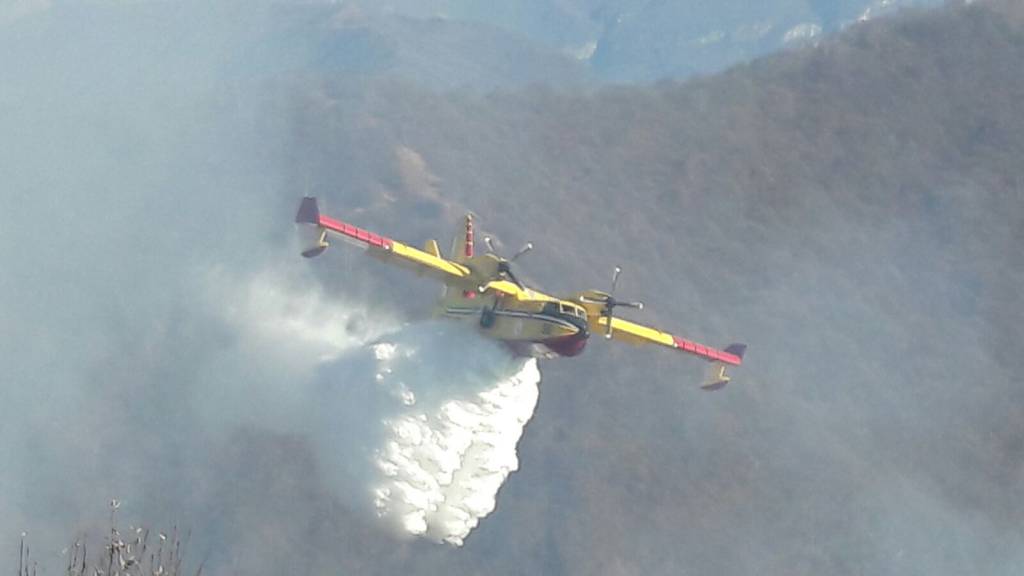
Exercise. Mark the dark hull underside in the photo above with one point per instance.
(566, 346)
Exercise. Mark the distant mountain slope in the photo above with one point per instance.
(853, 211)
(640, 40)
(435, 52)
(888, 113)
(270, 39)
(652, 40)
(453, 43)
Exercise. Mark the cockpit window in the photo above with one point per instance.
(572, 310)
(564, 309)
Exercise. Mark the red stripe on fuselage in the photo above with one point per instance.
(354, 232)
(707, 352)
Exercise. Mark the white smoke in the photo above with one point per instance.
(417, 427)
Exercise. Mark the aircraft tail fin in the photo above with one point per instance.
(462, 245)
(309, 211)
(736, 349)
(313, 237)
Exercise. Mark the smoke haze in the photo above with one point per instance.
(417, 424)
(852, 211)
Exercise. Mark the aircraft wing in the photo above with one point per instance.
(510, 289)
(639, 334)
(392, 251)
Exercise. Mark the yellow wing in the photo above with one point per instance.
(506, 288)
(427, 263)
(639, 334)
(632, 332)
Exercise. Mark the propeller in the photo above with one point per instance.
(610, 303)
(505, 266)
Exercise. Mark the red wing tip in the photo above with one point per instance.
(375, 240)
(732, 355)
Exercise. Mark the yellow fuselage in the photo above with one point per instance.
(532, 323)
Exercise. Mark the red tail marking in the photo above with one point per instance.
(469, 236)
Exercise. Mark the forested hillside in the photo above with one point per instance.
(853, 211)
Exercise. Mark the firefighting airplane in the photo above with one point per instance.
(483, 289)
